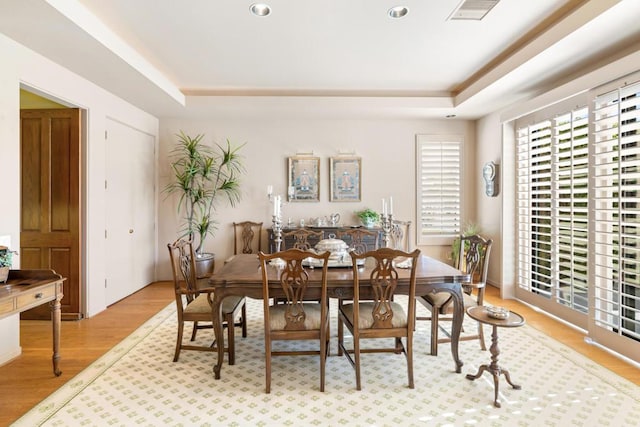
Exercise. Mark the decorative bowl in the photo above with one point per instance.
(337, 247)
(498, 312)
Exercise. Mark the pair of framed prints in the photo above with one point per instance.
(344, 179)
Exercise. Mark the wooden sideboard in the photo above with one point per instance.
(26, 289)
(326, 232)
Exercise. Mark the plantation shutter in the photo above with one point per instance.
(616, 169)
(553, 165)
(439, 167)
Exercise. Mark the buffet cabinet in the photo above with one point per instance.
(327, 233)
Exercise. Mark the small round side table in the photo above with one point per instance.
(513, 320)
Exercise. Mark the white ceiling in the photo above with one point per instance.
(324, 56)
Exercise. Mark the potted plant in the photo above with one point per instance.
(202, 177)
(6, 260)
(368, 216)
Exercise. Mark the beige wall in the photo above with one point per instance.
(387, 148)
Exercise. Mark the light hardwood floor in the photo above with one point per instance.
(27, 380)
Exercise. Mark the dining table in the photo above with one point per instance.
(241, 276)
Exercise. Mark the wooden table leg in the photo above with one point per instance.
(216, 310)
(55, 320)
(456, 326)
(494, 369)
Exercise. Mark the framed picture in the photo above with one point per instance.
(345, 174)
(304, 179)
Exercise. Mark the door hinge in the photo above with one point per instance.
(105, 134)
(105, 233)
(105, 283)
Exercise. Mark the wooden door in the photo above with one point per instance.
(50, 223)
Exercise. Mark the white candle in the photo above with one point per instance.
(275, 206)
(278, 204)
(384, 207)
(390, 205)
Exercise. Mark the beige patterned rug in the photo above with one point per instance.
(136, 383)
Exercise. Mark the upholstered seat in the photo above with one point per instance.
(293, 318)
(473, 259)
(378, 315)
(193, 303)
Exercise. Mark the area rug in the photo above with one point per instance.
(136, 383)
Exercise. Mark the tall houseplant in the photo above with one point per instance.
(202, 177)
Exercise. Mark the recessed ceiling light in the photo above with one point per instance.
(260, 9)
(398, 12)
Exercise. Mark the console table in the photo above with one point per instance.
(26, 289)
(326, 232)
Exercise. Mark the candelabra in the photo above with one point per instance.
(277, 230)
(386, 222)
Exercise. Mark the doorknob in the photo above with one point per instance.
(131, 231)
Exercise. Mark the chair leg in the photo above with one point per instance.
(244, 320)
(481, 336)
(176, 355)
(340, 336)
(194, 331)
(409, 354)
(434, 331)
(231, 347)
(356, 356)
(267, 364)
(323, 359)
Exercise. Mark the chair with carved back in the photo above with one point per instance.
(373, 313)
(194, 305)
(247, 237)
(473, 259)
(355, 239)
(295, 318)
(400, 235)
(303, 239)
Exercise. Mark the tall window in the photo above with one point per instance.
(553, 161)
(439, 166)
(616, 117)
(577, 172)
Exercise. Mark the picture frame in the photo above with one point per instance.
(304, 179)
(346, 178)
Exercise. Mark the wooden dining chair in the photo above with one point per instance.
(473, 259)
(360, 240)
(247, 237)
(294, 318)
(373, 313)
(194, 306)
(302, 239)
(400, 235)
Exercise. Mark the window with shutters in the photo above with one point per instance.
(439, 168)
(616, 158)
(578, 212)
(553, 164)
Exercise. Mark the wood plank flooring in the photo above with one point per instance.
(28, 379)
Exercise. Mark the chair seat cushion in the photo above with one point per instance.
(399, 319)
(440, 298)
(278, 322)
(201, 305)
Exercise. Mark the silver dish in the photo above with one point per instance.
(498, 312)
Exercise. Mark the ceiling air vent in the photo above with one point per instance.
(473, 10)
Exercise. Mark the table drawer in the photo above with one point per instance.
(37, 296)
(6, 307)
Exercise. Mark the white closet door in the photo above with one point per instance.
(130, 217)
